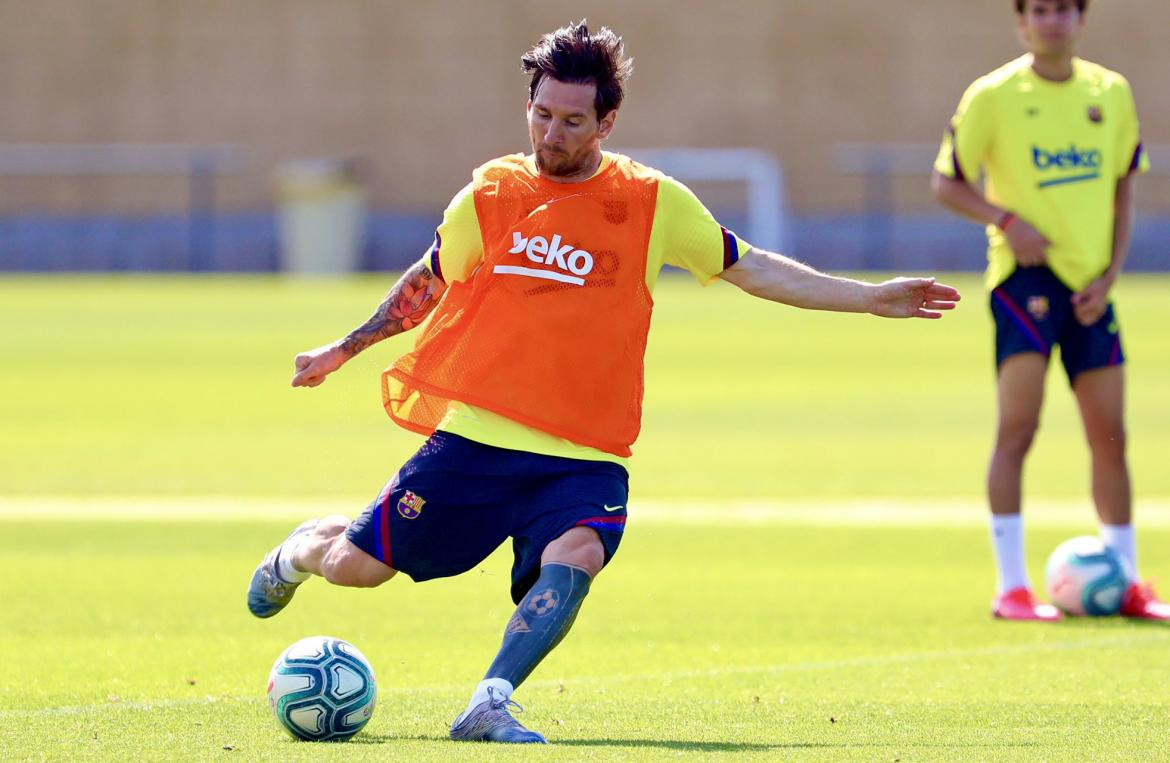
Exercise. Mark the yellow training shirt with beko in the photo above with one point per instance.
(683, 233)
(1052, 153)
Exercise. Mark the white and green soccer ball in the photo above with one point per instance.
(1086, 577)
(322, 689)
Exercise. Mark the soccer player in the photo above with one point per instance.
(1057, 138)
(527, 377)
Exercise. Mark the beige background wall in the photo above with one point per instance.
(426, 90)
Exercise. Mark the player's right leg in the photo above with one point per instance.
(316, 547)
(1024, 336)
(328, 552)
(1021, 395)
(423, 522)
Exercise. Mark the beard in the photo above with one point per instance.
(557, 163)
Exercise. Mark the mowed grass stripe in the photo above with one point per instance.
(180, 387)
(1153, 513)
(388, 693)
(722, 640)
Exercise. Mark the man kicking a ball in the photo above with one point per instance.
(527, 377)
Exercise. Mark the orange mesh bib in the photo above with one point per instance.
(550, 330)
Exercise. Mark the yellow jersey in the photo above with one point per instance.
(1052, 153)
(683, 234)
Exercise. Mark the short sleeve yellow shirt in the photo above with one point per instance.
(1052, 152)
(684, 234)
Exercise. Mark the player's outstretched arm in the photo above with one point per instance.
(407, 304)
(778, 278)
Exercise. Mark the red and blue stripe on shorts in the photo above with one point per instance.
(612, 523)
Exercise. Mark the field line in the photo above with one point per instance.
(142, 707)
(1154, 513)
(901, 658)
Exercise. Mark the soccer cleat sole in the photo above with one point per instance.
(261, 602)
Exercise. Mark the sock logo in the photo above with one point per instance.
(516, 625)
(543, 603)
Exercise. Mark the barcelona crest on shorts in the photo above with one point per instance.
(410, 505)
(1038, 307)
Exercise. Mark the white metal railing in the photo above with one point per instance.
(198, 165)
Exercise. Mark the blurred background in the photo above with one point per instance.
(808, 539)
(261, 135)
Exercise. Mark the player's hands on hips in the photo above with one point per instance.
(313, 366)
(1028, 245)
(912, 298)
(1089, 304)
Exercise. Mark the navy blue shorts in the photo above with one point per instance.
(1033, 313)
(455, 501)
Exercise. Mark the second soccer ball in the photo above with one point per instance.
(1085, 577)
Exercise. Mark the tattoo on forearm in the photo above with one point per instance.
(407, 304)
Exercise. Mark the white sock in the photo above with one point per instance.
(284, 564)
(1007, 538)
(480, 695)
(1120, 538)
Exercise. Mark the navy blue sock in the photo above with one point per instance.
(541, 620)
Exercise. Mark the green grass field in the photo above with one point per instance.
(179, 386)
(807, 577)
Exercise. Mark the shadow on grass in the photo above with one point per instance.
(669, 744)
(682, 745)
(690, 746)
(367, 738)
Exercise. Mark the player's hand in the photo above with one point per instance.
(1090, 303)
(912, 298)
(313, 366)
(1028, 245)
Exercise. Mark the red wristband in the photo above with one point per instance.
(1006, 219)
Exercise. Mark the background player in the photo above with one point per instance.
(528, 375)
(1058, 139)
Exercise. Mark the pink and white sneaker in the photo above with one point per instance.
(1142, 603)
(1019, 604)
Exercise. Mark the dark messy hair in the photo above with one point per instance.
(571, 54)
(1081, 4)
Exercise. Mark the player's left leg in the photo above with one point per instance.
(1101, 398)
(1093, 361)
(541, 620)
(559, 551)
(546, 613)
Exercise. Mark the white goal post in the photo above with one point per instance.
(767, 210)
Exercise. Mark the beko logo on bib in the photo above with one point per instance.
(545, 252)
(571, 262)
